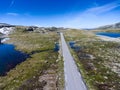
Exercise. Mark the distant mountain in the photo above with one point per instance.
(6, 29)
(113, 26)
(5, 25)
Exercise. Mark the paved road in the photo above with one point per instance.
(73, 79)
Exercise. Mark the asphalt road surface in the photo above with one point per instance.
(73, 79)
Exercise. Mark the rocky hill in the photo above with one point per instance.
(113, 26)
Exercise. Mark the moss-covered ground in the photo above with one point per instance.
(40, 47)
(97, 60)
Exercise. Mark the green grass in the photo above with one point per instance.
(97, 72)
(60, 71)
(40, 48)
(80, 66)
(60, 74)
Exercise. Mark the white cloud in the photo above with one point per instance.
(94, 17)
(13, 14)
(104, 8)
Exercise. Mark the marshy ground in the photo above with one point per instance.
(42, 70)
(98, 60)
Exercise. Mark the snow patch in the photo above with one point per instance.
(4, 40)
(106, 38)
(6, 30)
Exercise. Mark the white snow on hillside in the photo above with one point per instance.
(4, 40)
(6, 30)
(106, 38)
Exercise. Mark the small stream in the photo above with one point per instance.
(9, 58)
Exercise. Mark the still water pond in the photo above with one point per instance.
(109, 34)
(9, 58)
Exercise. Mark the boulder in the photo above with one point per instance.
(30, 29)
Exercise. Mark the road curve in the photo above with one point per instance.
(73, 79)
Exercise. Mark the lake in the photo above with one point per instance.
(109, 34)
(9, 58)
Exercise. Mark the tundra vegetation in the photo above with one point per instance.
(98, 61)
(42, 69)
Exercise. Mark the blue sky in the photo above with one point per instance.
(60, 13)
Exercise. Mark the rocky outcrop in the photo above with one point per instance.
(6, 30)
(30, 29)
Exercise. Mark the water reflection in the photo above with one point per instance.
(9, 57)
(109, 34)
(57, 47)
